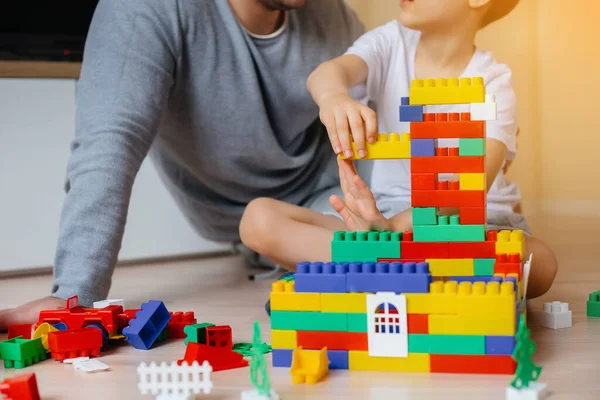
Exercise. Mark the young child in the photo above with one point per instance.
(432, 38)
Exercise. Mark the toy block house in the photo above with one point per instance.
(443, 297)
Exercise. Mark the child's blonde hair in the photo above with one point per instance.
(498, 10)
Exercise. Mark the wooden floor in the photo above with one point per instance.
(218, 291)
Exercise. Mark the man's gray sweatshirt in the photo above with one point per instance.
(225, 117)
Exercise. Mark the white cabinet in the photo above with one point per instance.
(37, 119)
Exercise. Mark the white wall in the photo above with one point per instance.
(36, 129)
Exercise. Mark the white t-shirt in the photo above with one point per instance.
(389, 51)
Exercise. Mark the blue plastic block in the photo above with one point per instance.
(404, 101)
(338, 359)
(499, 345)
(61, 326)
(147, 325)
(321, 278)
(282, 357)
(411, 113)
(396, 277)
(422, 147)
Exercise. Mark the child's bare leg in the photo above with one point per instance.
(544, 267)
(288, 234)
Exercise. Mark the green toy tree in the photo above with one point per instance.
(527, 371)
(258, 365)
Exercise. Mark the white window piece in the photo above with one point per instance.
(75, 360)
(92, 365)
(109, 302)
(172, 381)
(386, 325)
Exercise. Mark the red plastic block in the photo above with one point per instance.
(407, 236)
(472, 364)
(219, 336)
(20, 387)
(316, 340)
(220, 358)
(125, 317)
(472, 216)
(451, 165)
(437, 250)
(74, 343)
(417, 323)
(471, 250)
(448, 198)
(401, 260)
(180, 320)
(441, 151)
(19, 330)
(422, 181)
(492, 236)
(508, 264)
(443, 129)
(453, 151)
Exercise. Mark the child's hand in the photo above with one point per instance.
(358, 209)
(343, 116)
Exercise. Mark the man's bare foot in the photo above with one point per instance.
(28, 313)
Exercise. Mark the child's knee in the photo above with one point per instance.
(543, 269)
(256, 222)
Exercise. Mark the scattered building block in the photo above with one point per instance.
(109, 302)
(415, 362)
(220, 358)
(283, 297)
(449, 164)
(384, 277)
(371, 245)
(422, 147)
(23, 330)
(20, 387)
(321, 278)
(179, 320)
(535, 391)
(556, 315)
(74, 343)
(388, 147)
(42, 332)
(20, 353)
(593, 305)
(195, 333)
(471, 147)
(309, 366)
(147, 325)
(473, 364)
(447, 91)
(484, 111)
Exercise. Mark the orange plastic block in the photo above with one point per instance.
(440, 127)
(473, 364)
(472, 215)
(73, 343)
(316, 340)
(447, 164)
(470, 249)
(438, 250)
(23, 330)
(417, 323)
(220, 358)
(422, 181)
(448, 198)
(20, 387)
(508, 264)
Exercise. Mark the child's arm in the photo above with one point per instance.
(341, 115)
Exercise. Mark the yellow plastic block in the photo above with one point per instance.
(451, 267)
(309, 366)
(284, 339)
(415, 362)
(472, 325)
(283, 298)
(447, 91)
(472, 181)
(481, 299)
(42, 331)
(510, 242)
(395, 146)
(344, 302)
(441, 299)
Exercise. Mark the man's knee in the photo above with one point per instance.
(256, 223)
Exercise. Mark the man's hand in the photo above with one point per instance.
(358, 208)
(28, 313)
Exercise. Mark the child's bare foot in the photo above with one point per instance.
(28, 313)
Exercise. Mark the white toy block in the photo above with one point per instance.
(556, 315)
(386, 325)
(484, 111)
(254, 395)
(172, 381)
(109, 302)
(74, 360)
(535, 391)
(90, 365)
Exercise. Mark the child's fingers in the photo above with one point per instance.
(340, 207)
(329, 121)
(370, 118)
(343, 130)
(358, 131)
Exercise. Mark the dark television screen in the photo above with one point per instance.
(44, 29)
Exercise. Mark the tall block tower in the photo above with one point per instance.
(443, 297)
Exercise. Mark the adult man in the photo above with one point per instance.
(215, 91)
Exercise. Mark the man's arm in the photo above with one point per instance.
(129, 60)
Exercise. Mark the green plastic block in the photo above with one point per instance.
(357, 322)
(449, 233)
(365, 245)
(446, 344)
(20, 353)
(593, 305)
(309, 321)
(424, 216)
(471, 147)
(483, 266)
(195, 332)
